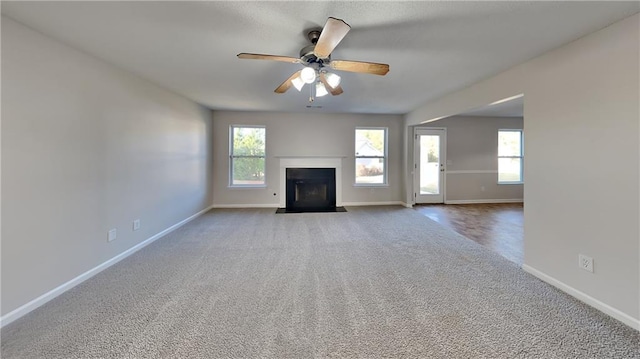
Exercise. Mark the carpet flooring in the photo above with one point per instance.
(373, 282)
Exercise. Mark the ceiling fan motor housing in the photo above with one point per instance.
(307, 56)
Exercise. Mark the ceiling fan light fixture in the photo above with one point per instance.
(332, 79)
(320, 89)
(308, 75)
(298, 83)
(316, 60)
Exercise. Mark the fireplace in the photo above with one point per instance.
(310, 189)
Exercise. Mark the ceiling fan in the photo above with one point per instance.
(316, 58)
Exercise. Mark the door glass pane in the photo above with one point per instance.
(509, 170)
(429, 164)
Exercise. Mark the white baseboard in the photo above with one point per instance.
(603, 307)
(467, 172)
(474, 201)
(26, 308)
(387, 203)
(245, 206)
(355, 204)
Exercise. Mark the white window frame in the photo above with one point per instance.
(521, 157)
(232, 157)
(385, 158)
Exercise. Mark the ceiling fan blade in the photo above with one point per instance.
(335, 91)
(333, 32)
(362, 67)
(287, 83)
(245, 55)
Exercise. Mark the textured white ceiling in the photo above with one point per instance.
(433, 48)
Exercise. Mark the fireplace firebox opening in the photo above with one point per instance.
(311, 190)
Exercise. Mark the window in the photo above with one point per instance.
(247, 156)
(371, 156)
(510, 158)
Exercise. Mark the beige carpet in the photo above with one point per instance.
(370, 283)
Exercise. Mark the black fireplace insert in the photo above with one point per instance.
(311, 190)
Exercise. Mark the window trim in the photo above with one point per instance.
(521, 157)
(385, 158)
(231, 158)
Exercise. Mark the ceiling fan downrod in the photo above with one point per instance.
(313, 36)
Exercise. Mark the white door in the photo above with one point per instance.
(429, 165)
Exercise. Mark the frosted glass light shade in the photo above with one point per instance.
(297, 83)
(320, 89)
(332, 79)
(308, 75)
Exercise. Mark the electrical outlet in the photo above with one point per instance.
(111, 235)
(585, 262)
(136, 224)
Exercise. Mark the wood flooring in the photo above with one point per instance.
(498, 226)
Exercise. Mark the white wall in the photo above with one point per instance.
(472, 159)
(581, 110)
(305, 134)
(87, 147)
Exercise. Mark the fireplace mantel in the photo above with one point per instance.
(310, 162)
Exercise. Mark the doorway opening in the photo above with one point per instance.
(470, 163)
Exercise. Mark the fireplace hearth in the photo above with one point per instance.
(310, 190)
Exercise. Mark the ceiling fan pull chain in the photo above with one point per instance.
(311, 93)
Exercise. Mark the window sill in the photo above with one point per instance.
(510, 182)
(370, 185)
(247, 187)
